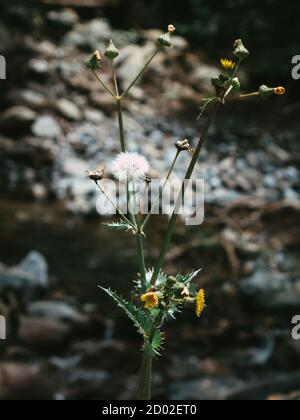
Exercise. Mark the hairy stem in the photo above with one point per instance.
(172, 222)
(145, 377)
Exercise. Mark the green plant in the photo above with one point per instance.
(158, 297)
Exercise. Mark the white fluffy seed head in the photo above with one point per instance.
(130, 166)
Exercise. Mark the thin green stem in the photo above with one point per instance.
(162, 189)
(114, 75)
(145, 376)
(122, 215)
(121, 125)
(172, 222)
(141, 259)
(125, 94)
(103, 84)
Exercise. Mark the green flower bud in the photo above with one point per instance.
(94, 61)
(239, 50)
(235, 83)
(266, 92)
(112, 52)
(165, 40)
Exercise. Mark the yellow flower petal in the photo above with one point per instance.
(150, 300)
(227, 64)
(200, 302)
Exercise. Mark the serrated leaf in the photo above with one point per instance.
(157, 343)
(136, 315)
(122, 225)
(188, 278)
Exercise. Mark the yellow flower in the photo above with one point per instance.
(150, 300)
(279, 91)
(200, 302)
(227, 64)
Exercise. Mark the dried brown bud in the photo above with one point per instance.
(148, 180)
(96, 175)
(185, 292)
(184, 145)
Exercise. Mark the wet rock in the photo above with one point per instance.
(43, 334)
(89, 36)
(19, 381)
(68, 110)
(57, 311)
(209, 389)
(75, 167)
(17, 120)
(133, 59)
(270, 289)
(39, 67)
(31, 274)
(46, 127)
(103, 102)
(65, 18)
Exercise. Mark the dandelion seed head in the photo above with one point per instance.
(130, 166)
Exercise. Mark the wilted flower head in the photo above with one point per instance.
(96, 175)
(130, 166)
(280, 90)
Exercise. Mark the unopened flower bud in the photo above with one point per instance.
(171, 29)
(96, 175)
(183, 145)
(165, 40)
(94, 62)
(111, 52)
(185, 292)
(279, 91)
(235, 83)
(240, 50)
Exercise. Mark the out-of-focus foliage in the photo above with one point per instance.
(267, 25)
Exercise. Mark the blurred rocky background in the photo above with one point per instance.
(65, 339)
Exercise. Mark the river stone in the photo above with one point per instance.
(56, 310)
(270, 289)
(46, 127)
(31, 273)
(68, 110)
(17, 119)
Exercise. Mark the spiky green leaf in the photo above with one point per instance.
(121, 225)
(139, 318)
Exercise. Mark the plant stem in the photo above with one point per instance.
(121, 125)
(141, 259)
(163, 187)
(103, 84)
(125, 94)
(122, 215)
(145, 377)
(172, 222)
(115, 79)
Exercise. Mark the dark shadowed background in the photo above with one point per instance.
(66, 340)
